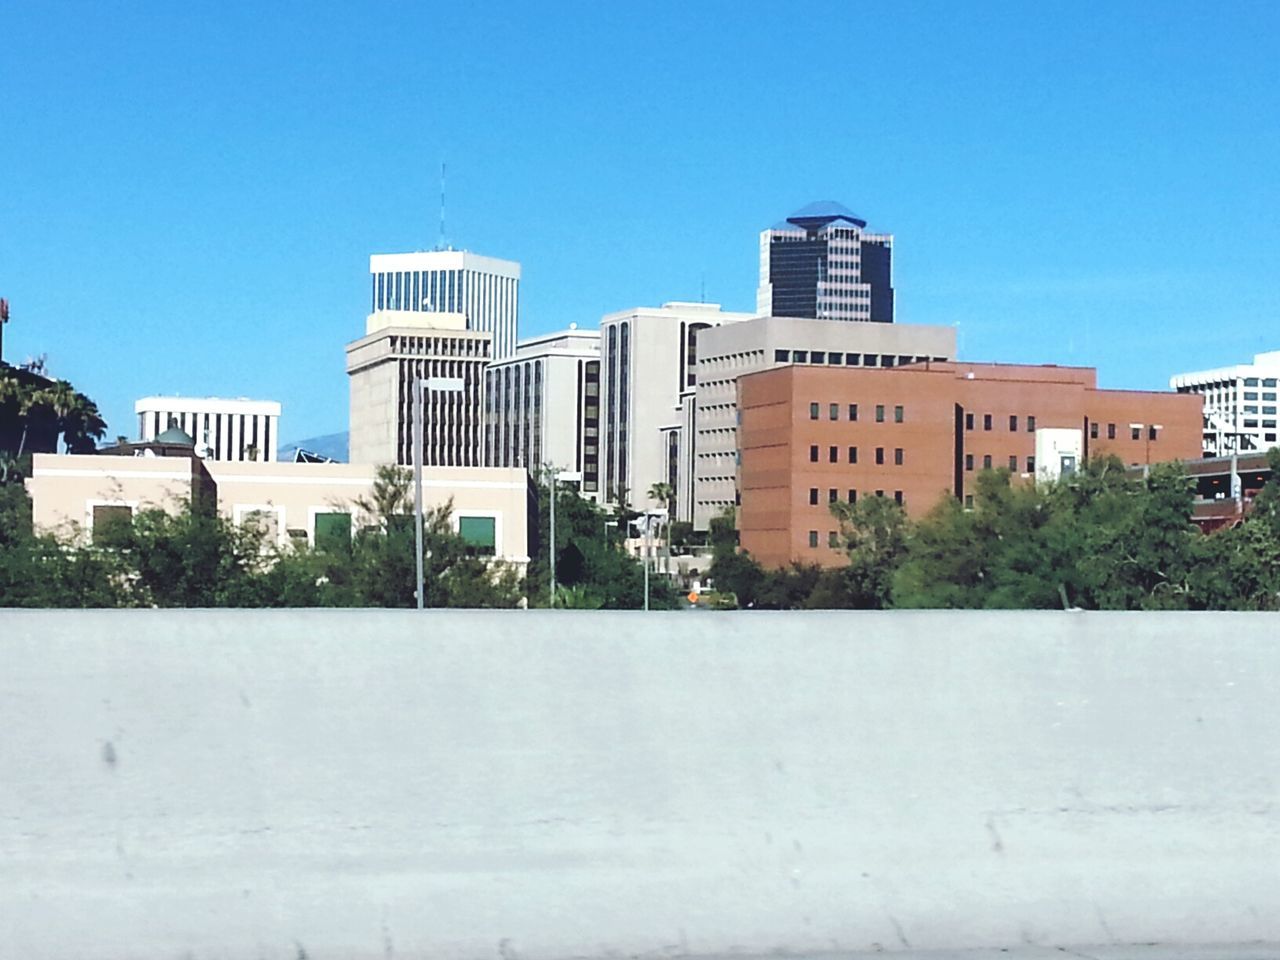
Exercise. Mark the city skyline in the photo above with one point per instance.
(203, 188)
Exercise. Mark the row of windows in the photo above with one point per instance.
(988, 463)
(833, 455)
(988, 422)
(834, 410)
(837, 359)
(1135, 431)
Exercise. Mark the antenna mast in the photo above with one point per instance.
(440, 246)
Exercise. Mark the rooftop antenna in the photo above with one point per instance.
(440, 245)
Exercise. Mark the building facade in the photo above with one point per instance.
(294, 503)
(222, 429)
(814, 435)
(1239, 404)
(542, 406)
(484, 290)
(648, 359)
(821, 263)
(399, 347)
(729, 352)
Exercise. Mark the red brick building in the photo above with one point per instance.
(812, 435)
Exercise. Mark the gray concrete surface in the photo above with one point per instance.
(548, 785)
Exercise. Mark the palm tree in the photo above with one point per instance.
(77, 416)
(665, 494)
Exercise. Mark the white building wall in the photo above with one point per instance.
(1240, 404)
(485, 290)
(641, 390)
(221, 428)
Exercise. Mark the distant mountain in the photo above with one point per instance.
(331, 445)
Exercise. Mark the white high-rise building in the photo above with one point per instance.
(648, 358)
(1239, 404)
(542, 406)
(485, 290)
(222, 429)
(400, 346)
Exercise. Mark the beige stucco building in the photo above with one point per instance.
(294, 502)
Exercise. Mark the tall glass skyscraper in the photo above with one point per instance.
(822, 264)
(484, 289)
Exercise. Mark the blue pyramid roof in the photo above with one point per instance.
(822, 212)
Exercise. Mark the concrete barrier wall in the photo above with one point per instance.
(548, 785)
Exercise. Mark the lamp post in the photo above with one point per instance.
(421, 386)
(556, 477)
(650, 517)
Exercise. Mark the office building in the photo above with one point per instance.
(294, 503)
(484, 290)
(728, 352)
(821, 263)
(542, 406)
(812, 435)
(400, 346)
(222, 429)
(1239, 404)
(649, 358)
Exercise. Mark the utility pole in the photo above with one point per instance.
(4, 318)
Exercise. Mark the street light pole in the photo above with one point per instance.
(418, 413)
(421, 385)
(556, 477)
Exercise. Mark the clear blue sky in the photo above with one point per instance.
(189, 192)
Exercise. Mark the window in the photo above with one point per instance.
(833, 539)
(1013, 464)
(818, 356)
(112, 524)
(986, 462)
(813, 539)
(1250, 381)
(852, 359)
(879, 493)
(897, 497)
(1111, 431)
(833, 455)
(1251, 394)
(478, 533)
(813, 415)
(1135, 433)
(813, 457)
(1151, 433)
(853, 412)
(833, 495)
(800, 356)
(898, 414)
(833, 411)
(897, 456)
(986, 421)
(1093, 431)
(968, 501)
(813, 498)
(1013, 424)
(1031, 424)
(879, 455)
(1031, 464)
(968, 461)
(968, 421)
(853, 454)
(779, 356)
(879, 413)
(853, 495)
(1269, 382)
(333, 530)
